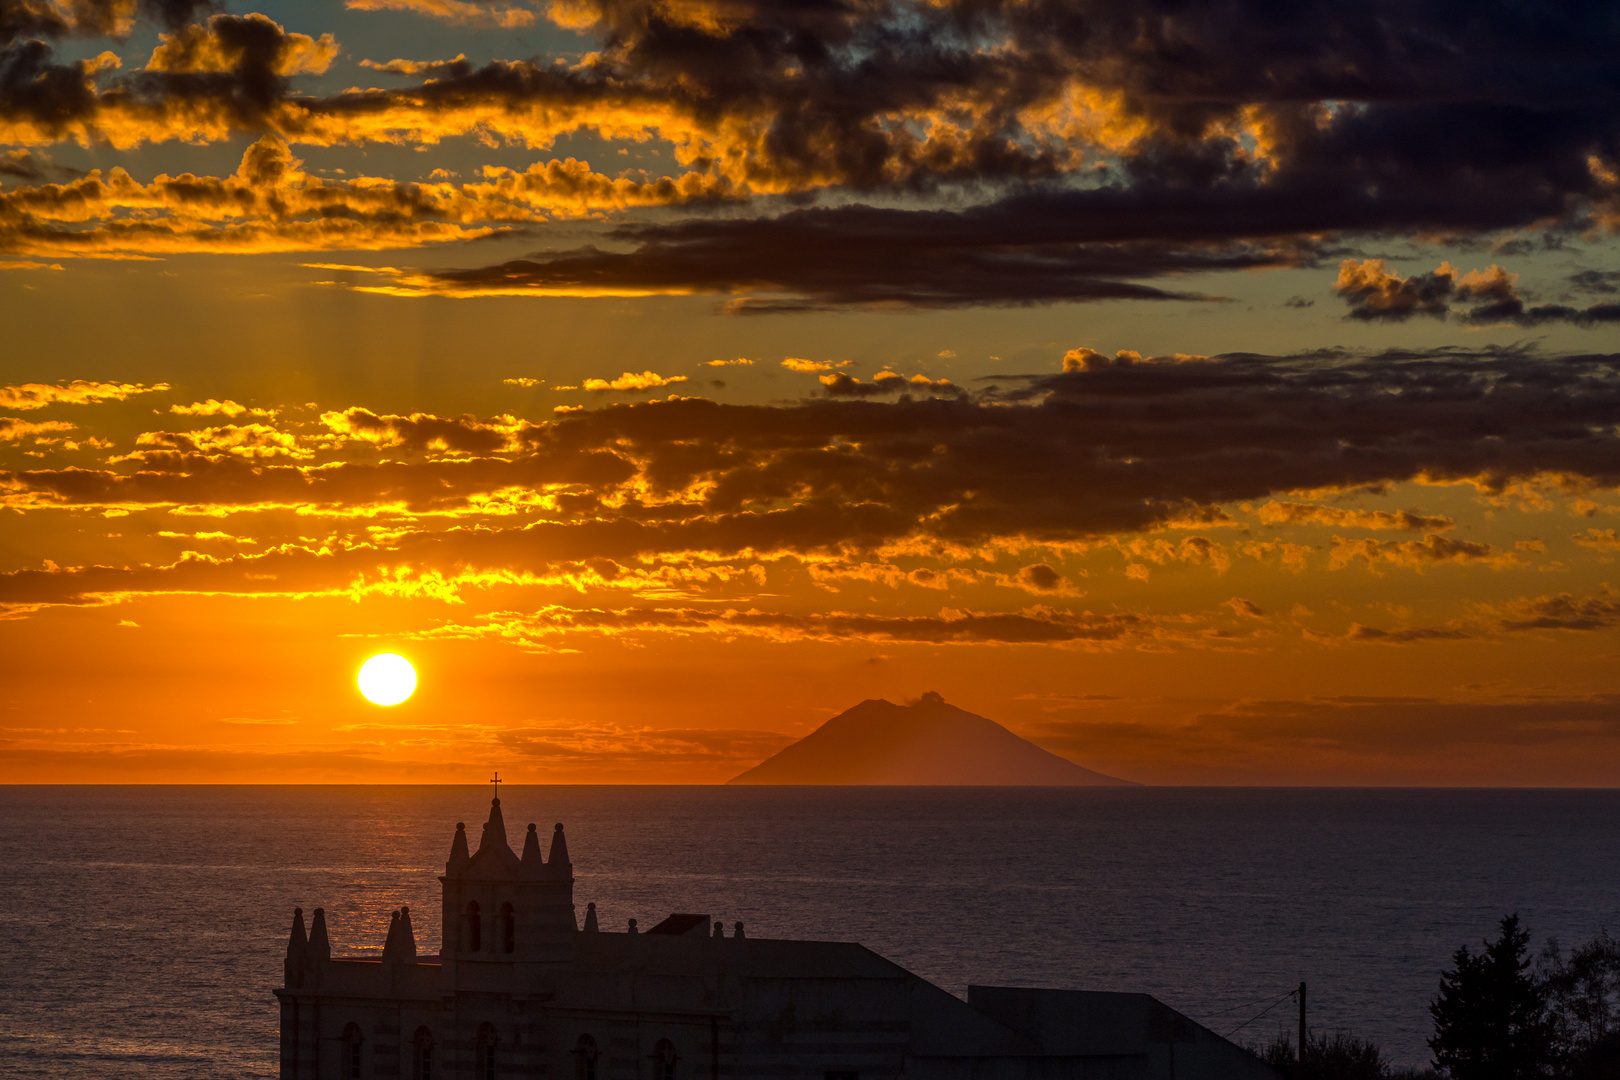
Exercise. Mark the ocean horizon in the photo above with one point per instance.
(145, 924)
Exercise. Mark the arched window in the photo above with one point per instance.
(508, 928)
(585, 1050)
(664, 1059)
(472, 928)
(351, 1052)
(484, 1053)
(422, 1055)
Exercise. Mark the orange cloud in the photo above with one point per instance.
(78, 392)
(228, 43)
(1295, 513)
(239, 440)
(272, 204)
(458, 12)
(630, 382)
(13, 429)
(215, 407)
(1432, 550)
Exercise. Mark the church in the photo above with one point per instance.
(521, 989)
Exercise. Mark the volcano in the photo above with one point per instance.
(927, 741)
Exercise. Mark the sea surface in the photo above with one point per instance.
(142, 928)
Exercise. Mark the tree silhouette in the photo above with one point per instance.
(1584, 992)
(1491, 1020)
(1343, 1057)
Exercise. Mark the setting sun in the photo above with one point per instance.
(387, 679)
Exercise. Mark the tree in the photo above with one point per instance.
(1584, 992)
(1491, 1020)
(1343, 1057)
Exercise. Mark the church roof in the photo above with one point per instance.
(682, 924)
(494, 859)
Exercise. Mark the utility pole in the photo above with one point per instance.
(1302, 1022)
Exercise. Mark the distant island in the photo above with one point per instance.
(928, 741)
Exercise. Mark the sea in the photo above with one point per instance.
(143, 928)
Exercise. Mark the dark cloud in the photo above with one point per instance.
(1563, 612)
(1093, 451)
(842, 384)
(1041, 578)
(202, 82)
(1100, 148)
(864, 256)
(1176, 138)
(1597, 281)
(91, 18)
(1374, 292)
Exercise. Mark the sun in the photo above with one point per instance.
(387, 679)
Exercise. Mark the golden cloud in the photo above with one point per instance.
(215, 407)
(1296, 513)
(77, 392)
(452, 11)
(229, 43)
(631, 382)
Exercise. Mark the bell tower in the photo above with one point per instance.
(502, 908)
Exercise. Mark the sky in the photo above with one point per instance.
(1210, 393)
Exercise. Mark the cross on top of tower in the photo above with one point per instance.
(497, 783)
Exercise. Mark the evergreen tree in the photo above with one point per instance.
(1491, 1020)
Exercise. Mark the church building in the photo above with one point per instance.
(521, 989)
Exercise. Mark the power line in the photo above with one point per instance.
(1240, 1008)
(1261, 1013)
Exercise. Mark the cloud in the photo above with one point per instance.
(1373, 292)
(231, 43)
(1098, 458)
(1084, 359)
(239, 440)
(13, 429)
(608, 744)
(1057, 458)
(1416, 725)
(269, 204)
(1432, 550)
(272, 204)
(1242, 119)
(78, 392)
(1014, 253)
(1598, 539)
(90, 18)
(1245, 608)
(1041, 578)
(1083, 159)
(630, 382)
(1296, 513)
(1562, 611)
(841, 384)
(425, 431)
(458, 12)
(215, 407)
(1032, 626)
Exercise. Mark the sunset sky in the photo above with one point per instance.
(1211, 393)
